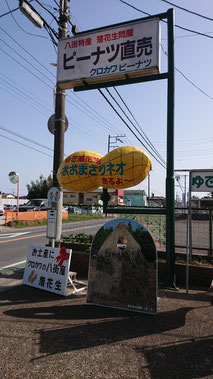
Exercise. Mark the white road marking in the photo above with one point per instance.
(13, 265)
(12, 235)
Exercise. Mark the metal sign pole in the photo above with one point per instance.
(170, 201)
(189, 234)
(190, 216)
(17, 195)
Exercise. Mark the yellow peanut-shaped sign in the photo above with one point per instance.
(79, 171)
(124, 167)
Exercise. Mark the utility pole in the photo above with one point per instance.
(60, 119)
(117, 138)
(60, 123)
(149, 189)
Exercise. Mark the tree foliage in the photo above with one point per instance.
(39, 188)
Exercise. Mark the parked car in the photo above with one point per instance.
(34, 205)
(8, 207)
(70, 210)
(1, 210)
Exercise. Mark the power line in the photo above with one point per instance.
(93, 117)
(25, 68)
(24, 137)
(188, 80)
(26, 51)
(130, 128)
(47, 10)
(19, 88)
(143, 135)
(29, 147)
(31, 34)
(107, 122)
(11, 11)
(25, 59)
(46, 70)
(74, 100)
(177, 26)
(47, 79)
(155, 151)
(21, 99)
(187, 10)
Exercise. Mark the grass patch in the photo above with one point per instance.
(71, 218)
(83, 217)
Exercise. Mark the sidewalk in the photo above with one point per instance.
(47, 336)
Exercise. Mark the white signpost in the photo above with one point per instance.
(53, 196)
(47, 268)
(130, 50)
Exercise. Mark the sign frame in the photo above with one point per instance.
(169, 211)
(111, 53)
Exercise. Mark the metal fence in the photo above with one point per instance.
(201, 229)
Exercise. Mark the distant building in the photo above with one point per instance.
(156, 201)
(7, 196)
(94, 197)
(204, 202)
(135, 198)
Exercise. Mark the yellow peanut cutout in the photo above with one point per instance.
(84, 171)
(124, 167)
(79, 171)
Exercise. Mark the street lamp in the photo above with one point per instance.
(31, 13)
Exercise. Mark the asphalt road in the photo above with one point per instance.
(14, 243)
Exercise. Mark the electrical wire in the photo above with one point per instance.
(106, 122)
(5, 14)
(24, 138)
(13, 10)
(35, 68)
(188, 80)
(25, 92)
(42, 74)
(130, 128)
(99, 121)
(117, 103)
(25, 68)
(47, 10)
(93, 117)
(27, 62)
(21, 99)
(29, 147)
(26, 51)
(177, 26)
(187, 10)
(142, 134)
(31, 34)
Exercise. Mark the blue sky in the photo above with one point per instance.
(27, 81)
(114, 223)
